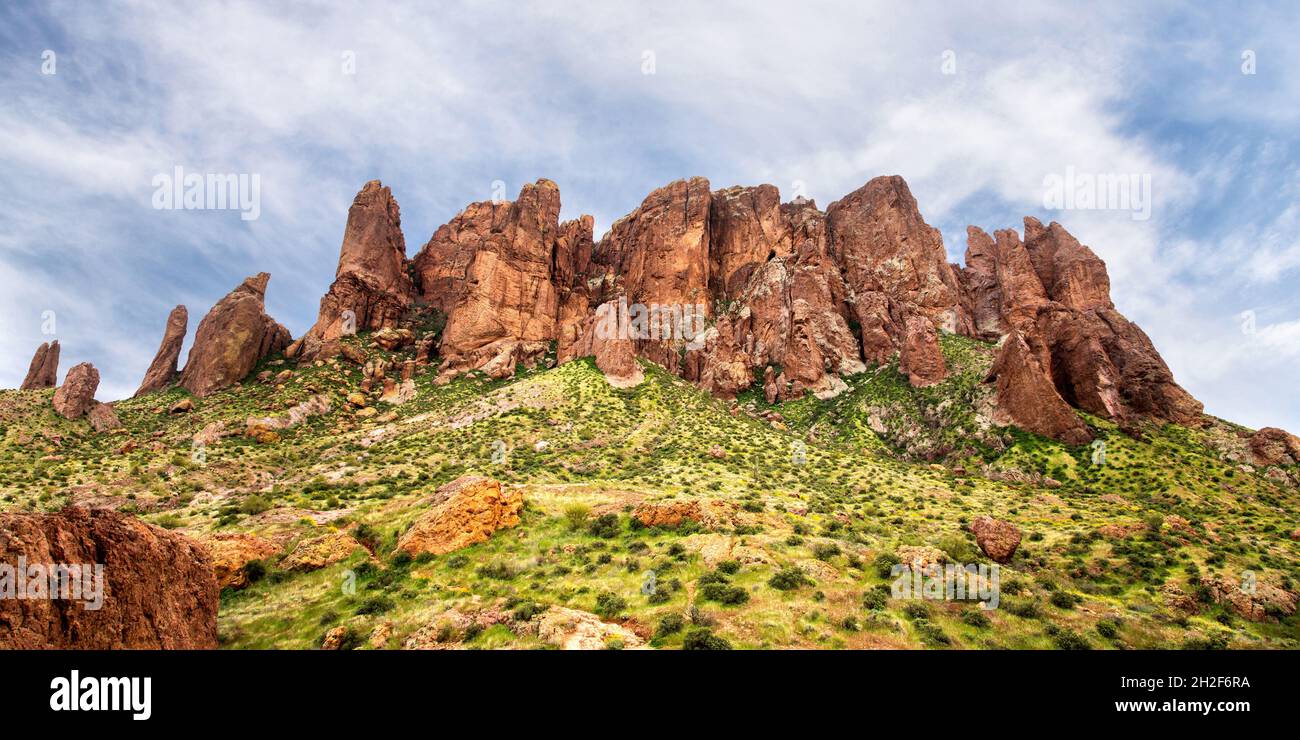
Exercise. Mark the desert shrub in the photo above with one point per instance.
(876, 598)
(1070, 640)
(609, 604)
(604, 526)
(724, 593)
(576, 516)
(788, 579)
(1108, 628)
(669, 625)
(704, 639)
(976, 618)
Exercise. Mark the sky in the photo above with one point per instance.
(984, 108)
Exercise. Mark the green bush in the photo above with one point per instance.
(788, 579)
(704, 639)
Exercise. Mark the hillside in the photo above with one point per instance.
(791, 513)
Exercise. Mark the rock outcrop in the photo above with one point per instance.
(44, 369)
(371, 289)
(1050, 296)
(75, 398)
(158, 589)
(1273, 446)
(461, 513)
(162, 371)
(502, 306)
(231, 551)
(103, 417)
(234, 336)
(570, 629)
(723, 287)
(998, 539)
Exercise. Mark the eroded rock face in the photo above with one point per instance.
(371, 289)
(234, 336)
(998, 539)
(461, 513)
(75, 398)
(317, 552)
(502, 308)
(162, 371)
(1273, 446)
(660, 255)
(158, 587)
(1054, 293)
(1260, 602)
(44, 369)
(921, 357)
(894, 263)
(1026, 396)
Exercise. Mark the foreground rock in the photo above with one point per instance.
(234, 336)
(158, 587)
(1258, 603)
(462, 513)
(998, 539)
(570, 629)
(371, 289)
(44, 369)
(162, 371)
(76, 396)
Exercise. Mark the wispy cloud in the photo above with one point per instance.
(442, 104)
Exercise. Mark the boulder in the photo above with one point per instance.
(43, 372)
(162, 371)
(1273, 446)
(461, 513)
(76, 397)
(231, 551)
(317, 552)
(234, 336)
(158, 587)
(998, 539)
(103, 418)
(709, 514)
(570, 629)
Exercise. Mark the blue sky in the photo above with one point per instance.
(814, 97)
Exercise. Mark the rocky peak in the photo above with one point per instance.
(234, 336)
(43, 372)
(162, 371)
(75, 398)
(371, 288)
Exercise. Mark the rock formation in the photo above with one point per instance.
(461, 513)
(502, 307)
(162, 371)
(1273, 446)
(1051, 296)
(234, 336)
(723, 287)
(998, 539)
(157, 587)
(103, 417)
(231, 551)
(76, 396)
(44, 370)
(371, 288)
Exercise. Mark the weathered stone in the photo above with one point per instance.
(461, 513)
(76, 396)
(234, 336)
(44, 369)
(158, 587)
(162, 371)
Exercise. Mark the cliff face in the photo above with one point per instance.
(725, 287)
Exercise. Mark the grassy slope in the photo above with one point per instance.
(850, 501)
